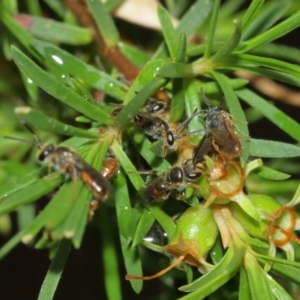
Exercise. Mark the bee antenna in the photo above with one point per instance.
(22, 140)
(39, 142)
(187, 121)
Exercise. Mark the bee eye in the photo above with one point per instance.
(156, 108)
(170, 138)
(193, 176)
(45, 153)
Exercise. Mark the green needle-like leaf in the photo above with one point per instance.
(30, 193)
(19, 32)
(265, 20)
(258, 285)
(176, 70)
(104, 22)
(275, 32)
(71, 65)
(47, 29)
(143, 227)
(277, 289)
(264, 148)
(54, 273)
(109, 257)
(251, 13)
(131, 109)
(271, 112)
(38, 119)
(58, 90)
(20, 183)
(212, 28)
(228, 46)
(168, 31)
(192, 19)
(211, 281)
(271, 174)
(127, 165)
(165, 221)
(244, 293)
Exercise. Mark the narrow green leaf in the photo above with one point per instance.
(278, 291)
(177, 103)
(57, 6)
(143, 227)
(123, 204)
(275, 32)
(192, 102)
(31, 87)
(267, 19)
(198, 50)
(20, 183)
(82, 71)
(66, 197)
(213, 280)
(111, 5)
(133, 264)
(296, 198)
(259, 288)
(271, 174)
(131, 109)
(58, 90)
(217, 251)
(37, 119)
(137, 56)
(157, 163)
(276, 116)
(30, 193)
(127, 165)
(11, 6)
(34, 8)
(206, 279)
(168, 31)
(176, 70)
(212, 29)
(251, 13)
(164, 220)
(264, 148)
(275, 64)
(181, 48)
(54, 273)
(20, 33)
(192, 19)
(51, 30)
(195, 16)
(82, 90)
(104, 22)
(145, 77)
(244, 292)
(12, 243)
(112, 278)
(237, 113)
(278, 51)
(280, 76)
(286, 271)
(228, 46)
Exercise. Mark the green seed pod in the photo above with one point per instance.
(196, 233)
